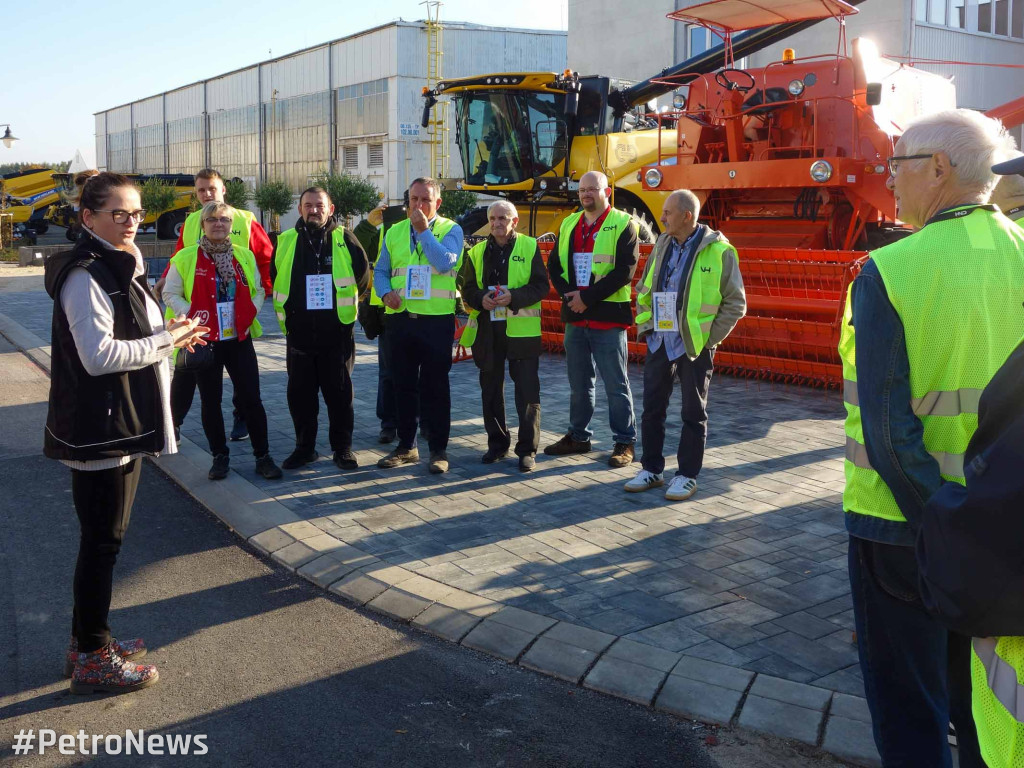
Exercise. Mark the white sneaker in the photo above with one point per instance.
(643, 481)
(681, 488)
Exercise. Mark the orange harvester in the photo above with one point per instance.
(790, 163)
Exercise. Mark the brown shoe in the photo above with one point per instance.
(568, 445)
(398, 457)
(622, 456)
(438, 463)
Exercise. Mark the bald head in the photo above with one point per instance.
(594, 194)
(680, 213)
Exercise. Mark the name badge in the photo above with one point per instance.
(665, 311)
(226, 320)
(498, 314)
(583, 264)
(417, 282)
(318, 291)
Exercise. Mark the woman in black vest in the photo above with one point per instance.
(109, 406)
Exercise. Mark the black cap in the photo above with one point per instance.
(1010, 167)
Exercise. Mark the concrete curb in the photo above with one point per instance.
(686, 686)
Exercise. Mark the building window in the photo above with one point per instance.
(1004, 18)
(375, 156)
(363, 109)
(702, 39)
(349, 157)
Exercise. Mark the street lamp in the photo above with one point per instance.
(8, 138)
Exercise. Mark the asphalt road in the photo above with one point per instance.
(271, 669)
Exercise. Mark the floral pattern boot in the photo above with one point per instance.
(105, 671)
(132, 650)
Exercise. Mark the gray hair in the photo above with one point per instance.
(973, 142)
(685, 200)
(504, 205)
(214, 208)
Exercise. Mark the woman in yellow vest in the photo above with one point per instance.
(218, 283)
(504, 281)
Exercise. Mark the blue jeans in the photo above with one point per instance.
(917, 675)
(586, 348)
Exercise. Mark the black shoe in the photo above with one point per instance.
(527, 463)
(387, 435)
(219, 470)
(438, 463)
(399, 456)
(493, 455)
(265, 467)
(345, 459)
(239, 431)
(568, 445)
(622, 456)
(299, 458)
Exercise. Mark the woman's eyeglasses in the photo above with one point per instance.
(219, 219)
(120, 216)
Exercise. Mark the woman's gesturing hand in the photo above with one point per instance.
(187, 332)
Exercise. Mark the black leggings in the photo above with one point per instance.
(103, 501)
(239, 358)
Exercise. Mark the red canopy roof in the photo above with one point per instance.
(735, 15)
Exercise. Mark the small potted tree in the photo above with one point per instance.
(351, 195)
(274, 197)
(157, 198)
(236, 193)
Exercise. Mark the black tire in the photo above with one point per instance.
(39, 227)
(71, 233)
(169, 226)
(473, 220)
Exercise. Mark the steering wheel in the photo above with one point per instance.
(722, 78)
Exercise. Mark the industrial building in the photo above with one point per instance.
(972, 31)
(352, 104)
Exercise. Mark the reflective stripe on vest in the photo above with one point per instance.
(345, 288)
(998, 699)
(702, 292)
(524, 323)
(240, 224)
(605, 243)
(442, 285)
(953, 348)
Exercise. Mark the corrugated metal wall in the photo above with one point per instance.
(355, 82)
(976, 87)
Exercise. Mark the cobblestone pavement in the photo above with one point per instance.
(751, 572)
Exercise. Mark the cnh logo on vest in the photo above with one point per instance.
(517, 257)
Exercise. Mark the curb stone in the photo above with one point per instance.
(626, 669)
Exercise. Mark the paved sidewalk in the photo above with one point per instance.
(732, 607)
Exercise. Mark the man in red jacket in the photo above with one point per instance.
(246, 232)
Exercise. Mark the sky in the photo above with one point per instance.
(117, 52)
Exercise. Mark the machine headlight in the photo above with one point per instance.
(543, 184)
(821, 171)
(796, 87)
(652, 177)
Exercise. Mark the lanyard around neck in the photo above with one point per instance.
(958, 212)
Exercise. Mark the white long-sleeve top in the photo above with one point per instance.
(90, 316)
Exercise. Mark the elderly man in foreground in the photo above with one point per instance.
(504, 282)
(688, 300)
(930, 320)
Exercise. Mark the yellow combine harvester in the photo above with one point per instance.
(27, 196)
(168, 224)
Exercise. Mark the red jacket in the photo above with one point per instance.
(261, 248)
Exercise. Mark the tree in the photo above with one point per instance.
(455, 202)
(236, 193)
(157, 197)
(351, 195)
(275, 198)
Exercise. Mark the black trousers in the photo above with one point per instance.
(103, 502)
(239, 359)
(659, 379)
(525, 374)
(421, 357)
(326, 370)
(183, 391)
(387, 404)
